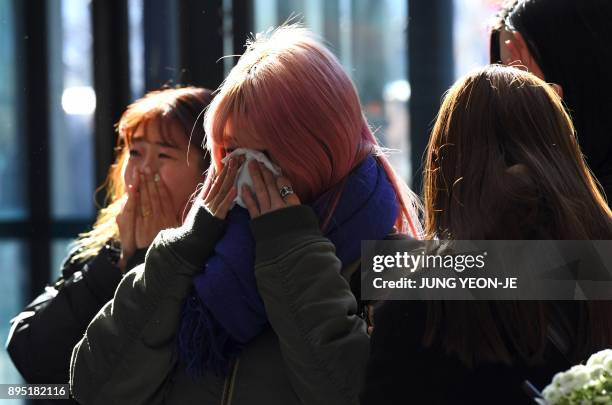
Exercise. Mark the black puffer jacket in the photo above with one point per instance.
(42, 336)
(402, 370)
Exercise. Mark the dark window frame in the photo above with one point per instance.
(430, 73)
(182, 62)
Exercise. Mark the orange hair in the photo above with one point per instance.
(166, 108)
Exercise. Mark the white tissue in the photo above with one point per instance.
(244, 177)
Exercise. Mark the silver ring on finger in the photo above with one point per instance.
(285, 191)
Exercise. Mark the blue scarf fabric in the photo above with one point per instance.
(225, 311)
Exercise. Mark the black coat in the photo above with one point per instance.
(42, 336)
(402, 371)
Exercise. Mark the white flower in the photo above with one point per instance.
(551, 394)
(597, 371)
(591, 376)
(599, 358)
(582, 375)
(608, 364)
(573, 379)
(556, 381)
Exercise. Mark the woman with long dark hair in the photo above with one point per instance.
(503, 162)
(567, 43)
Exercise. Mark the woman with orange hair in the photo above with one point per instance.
(159, 163)
(256, 306)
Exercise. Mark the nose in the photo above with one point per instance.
(150, 160)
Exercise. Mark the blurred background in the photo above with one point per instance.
(68, 68)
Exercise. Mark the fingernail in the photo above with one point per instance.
(156, 178)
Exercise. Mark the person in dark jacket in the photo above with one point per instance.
(254, 305)
(566, 42)
(502, 163)
(148, 189)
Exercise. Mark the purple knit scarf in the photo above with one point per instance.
(224, 312)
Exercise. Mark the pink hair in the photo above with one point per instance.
(289, 94)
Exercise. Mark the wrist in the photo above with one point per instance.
(195, 239)
(125, 255)
(121, 264)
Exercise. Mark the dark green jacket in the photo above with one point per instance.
(314, 353)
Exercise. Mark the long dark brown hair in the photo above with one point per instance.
(503, 162)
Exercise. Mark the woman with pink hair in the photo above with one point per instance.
(253, 304)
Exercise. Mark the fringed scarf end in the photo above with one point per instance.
(203, 344)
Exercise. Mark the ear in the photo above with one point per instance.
(520, 52)
(558, 89)
(513, 53)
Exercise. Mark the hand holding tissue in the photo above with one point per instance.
(244, 177)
